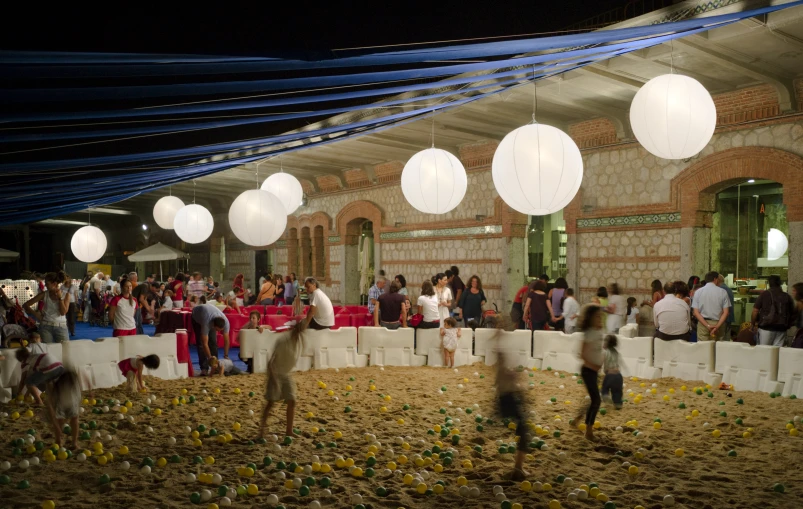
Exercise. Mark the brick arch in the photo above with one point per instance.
(694, 189)
(361, 209)
(310, 221)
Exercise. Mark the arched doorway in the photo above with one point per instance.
(359, 225)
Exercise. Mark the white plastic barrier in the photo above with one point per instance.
(560, 351)
(428, 343)
(635, 356)
(95, 359)
(163, 345)
(790, 371)
(259, 347)
(516, 349)
(10, 369)
(334, 348)
(629, 330)
(390, 347)
(681, 359)
(747, 368)
(541, 344)
(482, 337)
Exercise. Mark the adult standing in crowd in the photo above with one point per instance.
(555, 303)
(177, 287)
(402, 284)
(95, 288)
(72, 311)
(616, 309)
(710, 305)
(536, 312)
(428, 307)
(671, 314)
(140, 292)
(731, 315)
(279, 299)
(267, 293)
(374, 292)
(457, 286)
(321, 314)
(51, 316)
(657, 293)
(289, 291)
(197, 287)
(472, 301)
(124, 310)
(390, 309)
(773, 314)
(444, 294)
(517, 309)
(207, 321)
(239, 289)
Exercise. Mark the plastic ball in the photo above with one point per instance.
(669, 500)
(48, 504)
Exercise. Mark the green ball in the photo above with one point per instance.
(443, 388)
(779, 488)
(740, 401)
(502, 449)
(325, 482)
(549, 368)
(351, 379)
(195, 497)
(67, 430)
(251, 394)
(371, 461)
(369, 472)
(447, 461)
(427, 453)
(405, 407)
(213, 432)
(267, 460)
(772, 395)
(292, 467)
(39, 445)
(85, 435)
(723, 414)
(332, 445)
(93, 425)
(682, 405)
(242, 490)
(24, 485)
(359, 506)
(609, 505)
(721, 403)
(603, 411)
(4, 479)
(710, 394)
(593, 485)
(32, 431)
(556, 434)
(309, 481)
(559, 479)
(149, 462)
(444, 432)
(732, 453)
(222, 490)
(104, 479)
(436, 449)
(192, 399)
(175, 458)
(511, 449)
(430, 432)
(506, 504)
(288, 441)
(482, 376)
(347, 410)
(699, 391)
(739, 420)
(455, 439)
(201, 428)
(261, 441)
(281, 465)
(553, 399)
(479, 427)
(793, 396)
(381, 492)
(478, 448)
(656, 420)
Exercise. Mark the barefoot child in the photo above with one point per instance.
(281, 386)
(590, 324)
(37, 370)
(64, 403)
(449, 336)
(132, 370)
(253, 324)
(510, 402)
(613, 378)
(223, 367)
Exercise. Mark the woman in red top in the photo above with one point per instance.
(517, 311)
(239, 290)
(177, 285)
(122, 311)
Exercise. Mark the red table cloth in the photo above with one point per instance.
(183, 350)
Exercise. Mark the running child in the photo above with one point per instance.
(37, 370)
(281, 386)
(613, 377)
(64, 403)
(590, 324)
(223, 367)
(132, 370)
(449, 336)
(510, 404)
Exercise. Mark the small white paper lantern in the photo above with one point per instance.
(164, 212)
(537, 169)
(193, 224)
(434, 181)
(673, 116)
(777, 244)
(88, 244)
(257, 217)
(287, 188)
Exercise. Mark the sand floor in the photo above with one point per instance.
(704, 477)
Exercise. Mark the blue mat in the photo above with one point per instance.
(86, 331)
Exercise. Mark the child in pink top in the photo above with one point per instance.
(132, 370)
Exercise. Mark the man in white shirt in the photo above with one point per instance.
(321, 314)
(710, 306)
(671, 316)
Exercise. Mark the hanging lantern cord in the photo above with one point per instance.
(535, 96)
(193, 191)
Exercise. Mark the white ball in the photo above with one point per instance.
(619, 429)
(250, 413)
(562, 456)
(463, 491)
(80, 456)
(145, 470)
(459, 386)
(706, 425)
(257, 217)
(476, 406)
(287, 189)
(434, 181)
(24, 464)
(297, 483)
(382, 368)
(189, 478)
(280, 476)
(34, 461)
(574, 377)
(326, 492)
(626, 464)
(476, 374)
(356, 499)
(125, 465)
(582, 494)
(273, 438)
(187, 429)
(224, 502)
(193, 224)
(498, 489)
(545, 447)
(669, 500)
(213, 410)
(307, 469)
(276, 448)
(537, 169)
(314, 505)
(315, 459)
(560, 387)
(387, 472)
(88, 244)
(164, 212)
(448, 403)
(537, 487)
(105, 409)
(673, 116)
(473, 492)
(217, 479)
(500, 497)
(568, 482)
(232, 493)
(797, 418)
(272, 500)
(81, 410)
(130, 419)
(171, 441)
(424, 475)
(399, 440)
(205, 495)
(571, 497)
(153, 397)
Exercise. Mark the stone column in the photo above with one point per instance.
(513, 270)
(695, 252)
(795, 252)
(572, 265)
(305, 267)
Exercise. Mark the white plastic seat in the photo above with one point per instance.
(681, 359)
(635, 356)
(515, 345)
(95, 359)
(333, 348)
(390, 347)
(163, 345)
(541, 344)
(428, 343)
(747, 368)
(561, 352)
(790, 371)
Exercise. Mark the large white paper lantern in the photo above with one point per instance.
(88, 244)
(164, 212)
(434, 181)
(537, 169)
(257, 217)
(777, 244)
(193, 224)
(287, 188)
(673, 116)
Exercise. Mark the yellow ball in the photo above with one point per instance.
(174, 402)
(653, 391)
(372, 387)
(349, 462)
(237, 390)
(402, 460)
(554, 504)
(707, 386)
(383, 409)
(656, 425)
(582, 426)
(597, 425)
(123, 410)
(789, 425)
(374, 449)
(123, 450)
(467, 464)
(639, 507)
(391, 465)
(746, 434)
(48, 504)
(62, 455)
(683, 388)
(357, 472)
(716, 433)
(109, 456)
(695, 413)
(436, 428)
(419, 462)
(546, 487)
(455, 431)
(221, 439)
(325, 468)
(516, 506)
(689, 417)
(511, 425)
(638, 456)
(309, 415)
(642, 384)
(465, 380)
(252, 489)
(15, 415)
(216, 391)
(212, 506)
(671, 391)
(209, 460)
(793, 432)
(340, 463)
(567, 402)
(161, 462)
(408, 479)
(338, 435)
(679, 453)
(330, 393)
(526, 486)
(157, 412)
(438, 468)
(593, 492)
(288, 484)
(249, 472)
(316, 467)
(438, 443)
(632, 470)
(236, 426)
(602, 497)
(314, 429)
(102, 460)
(195, 434)
(437, 489)
(666, 398)
(400, 422)
(422, 488)
(462, 481)
(387, 397)
(29, 413)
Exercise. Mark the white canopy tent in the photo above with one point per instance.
(8, 256)
(157, 253)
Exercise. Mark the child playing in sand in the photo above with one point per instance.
(132, 370)
(613, 378)
(223, 367)
(281, 386)
(449, 336)
(37, 370)
(590, 324)
(63, 403)
(510, 403)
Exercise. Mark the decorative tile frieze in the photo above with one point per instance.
(644, 219)
(444, 232)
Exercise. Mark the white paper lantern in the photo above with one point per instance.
(673, 116)
(287, 188)
(88, 244)
(193, 224)
(257, 217)
(434, 181)
(537, 169)
(777, 244)
(164, 212)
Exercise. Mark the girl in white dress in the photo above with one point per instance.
(444, 294)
